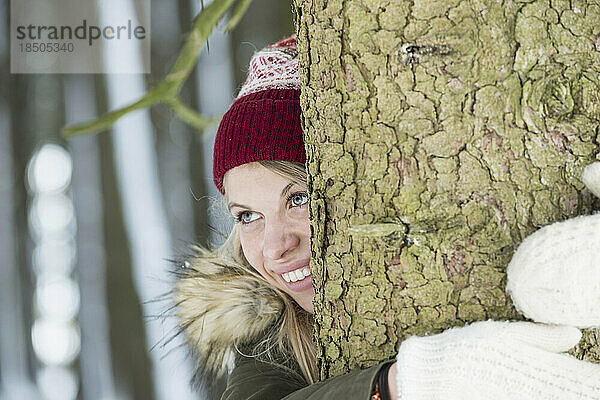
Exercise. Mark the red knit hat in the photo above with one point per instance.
(263, 123)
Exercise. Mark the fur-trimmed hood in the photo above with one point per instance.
(223, 308)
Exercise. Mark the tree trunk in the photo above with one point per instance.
(439, 135)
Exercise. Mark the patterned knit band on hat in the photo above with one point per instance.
(263, 123)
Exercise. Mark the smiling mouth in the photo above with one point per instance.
(296, 275)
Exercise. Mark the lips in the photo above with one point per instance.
(296, 276)
(291, 266)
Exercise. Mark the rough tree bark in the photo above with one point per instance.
(439, 134)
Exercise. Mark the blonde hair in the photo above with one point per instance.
(294, 336)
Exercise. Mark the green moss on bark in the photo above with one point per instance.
(439, 134)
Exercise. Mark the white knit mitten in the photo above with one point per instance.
(554, 276)
(496, 360)
(591, 178)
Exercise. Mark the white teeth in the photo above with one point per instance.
(296, 275)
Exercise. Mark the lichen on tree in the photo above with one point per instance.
(465, 123)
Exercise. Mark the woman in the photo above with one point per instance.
(247, 306)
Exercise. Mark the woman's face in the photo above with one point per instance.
(274, 228)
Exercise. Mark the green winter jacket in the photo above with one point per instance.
(223, 310)
(257, 380)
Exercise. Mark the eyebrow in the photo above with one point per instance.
(284, 193)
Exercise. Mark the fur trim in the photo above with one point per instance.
(222, 307)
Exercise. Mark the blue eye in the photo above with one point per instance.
(298, 199)
(246, 217)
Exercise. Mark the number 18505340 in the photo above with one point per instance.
(34, 47)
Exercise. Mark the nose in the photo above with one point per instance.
(280, 239)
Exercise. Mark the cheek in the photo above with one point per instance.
(252, 251)
(252, 248)
(305, 227)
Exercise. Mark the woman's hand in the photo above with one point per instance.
(494, 360)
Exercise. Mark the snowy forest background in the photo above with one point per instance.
(87, 226)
